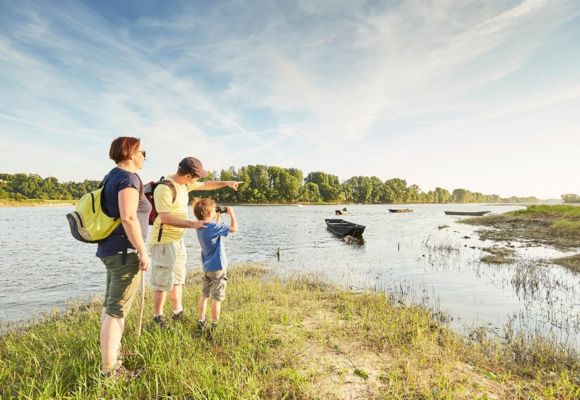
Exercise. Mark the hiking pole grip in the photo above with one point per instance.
(140, 322)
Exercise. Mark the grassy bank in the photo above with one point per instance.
(557, 225)
(296, 339)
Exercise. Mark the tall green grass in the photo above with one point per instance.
(277, 340)
(554, 224)
(556, 211)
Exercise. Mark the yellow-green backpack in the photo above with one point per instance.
(89, 223)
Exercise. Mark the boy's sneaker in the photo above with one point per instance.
(160, 321)
(179, 317)
(212, 328)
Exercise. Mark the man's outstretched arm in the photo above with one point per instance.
(213, 185)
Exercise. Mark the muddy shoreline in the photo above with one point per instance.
(534, 229)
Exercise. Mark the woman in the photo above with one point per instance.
(123, 252)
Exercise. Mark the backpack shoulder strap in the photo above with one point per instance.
(171, 186)
(102, 184)
(168, 183)
(141, 186)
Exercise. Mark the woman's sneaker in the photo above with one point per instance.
(120, 373)
(125, 374)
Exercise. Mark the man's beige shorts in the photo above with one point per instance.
(214, 285)
(168, 265)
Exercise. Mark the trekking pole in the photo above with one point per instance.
(140, 322)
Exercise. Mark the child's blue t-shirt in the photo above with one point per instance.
(213, 251)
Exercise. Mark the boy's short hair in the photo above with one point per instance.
(203, 208)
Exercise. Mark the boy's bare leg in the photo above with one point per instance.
(215, 310)
(158, 302)
(201, 308)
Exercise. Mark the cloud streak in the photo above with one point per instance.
(292, 84)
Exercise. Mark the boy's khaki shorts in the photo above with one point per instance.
(168, 265)
(122, 283)
(214, 285)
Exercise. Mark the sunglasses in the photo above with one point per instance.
(143, 152)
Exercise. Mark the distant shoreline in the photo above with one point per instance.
(37, 203)
(57, 203)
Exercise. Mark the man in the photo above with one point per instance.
(168, 253)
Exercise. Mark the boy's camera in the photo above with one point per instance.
(221, 210)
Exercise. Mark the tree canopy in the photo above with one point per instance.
(31, 186)
(270, 184)
(570, 198)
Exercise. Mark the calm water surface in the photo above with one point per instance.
(408, 255)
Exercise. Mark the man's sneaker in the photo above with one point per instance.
(160, 321)
(200, 327)
(179, 317)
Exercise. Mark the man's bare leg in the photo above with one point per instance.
(176, 298)
(158, 302)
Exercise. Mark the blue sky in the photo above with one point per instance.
(483, 95)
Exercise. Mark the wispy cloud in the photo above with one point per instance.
(293, 84)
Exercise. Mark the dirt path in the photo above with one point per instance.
(343, 367)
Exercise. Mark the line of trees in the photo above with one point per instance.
(31, 186)
(270, 184)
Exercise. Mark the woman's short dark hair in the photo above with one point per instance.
(123, 147)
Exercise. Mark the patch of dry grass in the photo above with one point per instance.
(557, 225)
(571, 262)
(498, 255)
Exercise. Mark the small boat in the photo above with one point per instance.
(343, 228)
(469, 213)
(400, 210)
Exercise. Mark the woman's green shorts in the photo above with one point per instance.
(122, 283)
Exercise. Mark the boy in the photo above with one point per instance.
(213, 258)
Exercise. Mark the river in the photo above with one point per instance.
(423, 257)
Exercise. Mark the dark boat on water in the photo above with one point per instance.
(400, 210)
(343, 228)
(469, 213)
